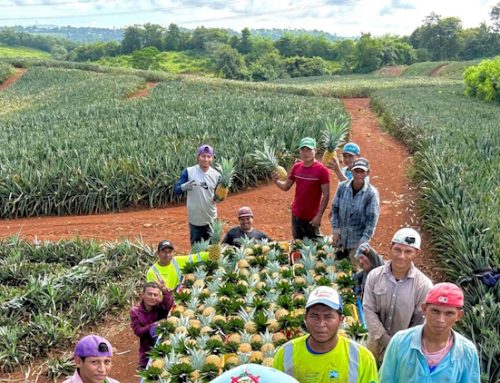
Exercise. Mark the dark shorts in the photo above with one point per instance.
(302, 228)
(198, 233)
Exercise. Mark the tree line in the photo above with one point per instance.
(256, 57)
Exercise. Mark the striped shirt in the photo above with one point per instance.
(355, 216)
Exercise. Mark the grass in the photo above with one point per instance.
(6, 51)
(6, 70)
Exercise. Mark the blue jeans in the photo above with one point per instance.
(198, 233)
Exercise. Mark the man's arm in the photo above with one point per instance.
(182, 180)
(283, 185)
(471, 373)
(334, 166)
(388, 370)
(372, 213)
(423, 286)
(335, 216)
(375, 327)
(140, 329)
(325, 190)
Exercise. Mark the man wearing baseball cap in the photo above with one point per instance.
(433, 352)
(312, 191)
(355, 211)
(394, 293)
(167, 271)
(245, 229)
(350, 153)
(323, 355)
(199, 182)
(93, 361)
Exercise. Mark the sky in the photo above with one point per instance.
(340, 17)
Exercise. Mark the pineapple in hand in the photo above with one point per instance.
(267, 159)
(214, 250)
(226, 170)
(333, 136)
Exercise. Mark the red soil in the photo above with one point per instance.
(390, 162)
(144, 92)
(12, 79)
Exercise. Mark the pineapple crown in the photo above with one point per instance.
(227, 171)
(267, 157)
(216, 228)
(335, 134)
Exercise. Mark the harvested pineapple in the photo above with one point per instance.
(333, 136)
(214, 251)
(226, 170)
(267, 159)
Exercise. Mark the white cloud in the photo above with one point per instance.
(342, 17)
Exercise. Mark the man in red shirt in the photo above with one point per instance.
(311, 193)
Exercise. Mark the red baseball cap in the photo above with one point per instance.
(245, 211)
(446, 294)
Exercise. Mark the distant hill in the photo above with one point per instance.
(92, 35)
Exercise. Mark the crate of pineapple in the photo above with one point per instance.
(241, 308)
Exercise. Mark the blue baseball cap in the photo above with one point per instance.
(351, 148)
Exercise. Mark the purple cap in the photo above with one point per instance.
(93, 346)
(206, 149)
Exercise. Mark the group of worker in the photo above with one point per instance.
(410, 322)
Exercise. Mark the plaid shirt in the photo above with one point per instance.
(355, 217)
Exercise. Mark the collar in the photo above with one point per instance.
(363, 189)
(456, 351)
(412, 272)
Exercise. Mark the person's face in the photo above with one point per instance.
(402, 256)
(93, 369)
(151, 297)
(359, 175)
(440, 319)
(165, 256)
(307, 155)
(245, 223)
(364, 263)
(348, 159)
(205, 160)
(322, 323)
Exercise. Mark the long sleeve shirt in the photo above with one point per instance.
(355, 216)
(141, 321)
(75, 378)
(390, 305)
(201, 200)
(404, 361)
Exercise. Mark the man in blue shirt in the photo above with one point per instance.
(433, 352)
(355, 211)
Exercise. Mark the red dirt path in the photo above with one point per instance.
(390, 162)
(12, 79)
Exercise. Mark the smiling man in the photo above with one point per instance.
(312, 191)
(324, 356)
(433, 352)
(394, 293)
(245, 229)
(93, 361)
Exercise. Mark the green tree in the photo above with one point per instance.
(132, 39)
(203, 39)
(260, 46)
(479, 42)
(229, 63)
(144, 58)
(368, 54)
(495, 17)
(285, 45)
(173, 38)
(244, 46)
(269, 66)
(152, 36)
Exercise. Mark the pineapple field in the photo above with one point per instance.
(94, 150)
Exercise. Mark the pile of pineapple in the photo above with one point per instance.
(240, 308)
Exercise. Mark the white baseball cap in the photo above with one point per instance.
(327, 296)
(407, 236)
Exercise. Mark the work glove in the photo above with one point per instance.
(188, 186)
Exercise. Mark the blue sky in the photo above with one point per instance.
(341, 17)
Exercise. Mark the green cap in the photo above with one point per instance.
(308, 142)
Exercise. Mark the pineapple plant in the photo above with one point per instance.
(214, 251)
(333, 136)
(226, 170)
(267, 159)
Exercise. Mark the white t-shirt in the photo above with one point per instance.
(200, 200)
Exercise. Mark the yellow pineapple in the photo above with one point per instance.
(226, 170)
(333, 136)
(214, 251)
(213, 359)
(256, 356)
(158, 363)
(268, 160)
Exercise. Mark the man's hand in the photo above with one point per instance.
(316, 221)
(336, 239)
(275, 176)
(188, 186)
(333, 164)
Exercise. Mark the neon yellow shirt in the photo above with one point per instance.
(172, 273)
(333, 366)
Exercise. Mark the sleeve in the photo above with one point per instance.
(424, 285)
(184, 178)
(167, 302)
(324, 176)
(140, 329)
(335, 211)
(278, 362)
(372, 210)
(375, 328)
(388, 370)
(471, 371)
(368, 368)
(228, 239)
(291, 175)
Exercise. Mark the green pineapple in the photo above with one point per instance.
(226, 170)
(216, 228)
